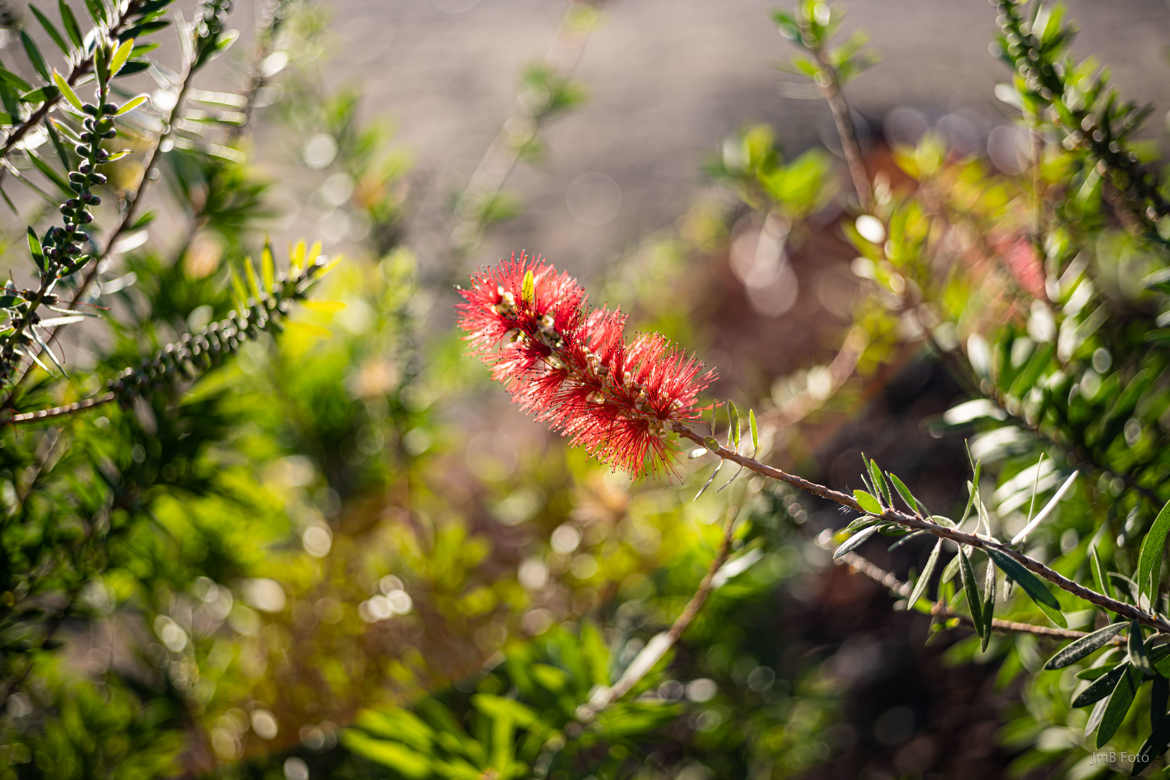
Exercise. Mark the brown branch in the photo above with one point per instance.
(919, 523)
(61, 411)
(829, 83)
(863, 566)
(76, 73)
(123, 225)
(650, 655)
(276, 14)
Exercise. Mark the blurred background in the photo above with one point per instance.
(387, 531)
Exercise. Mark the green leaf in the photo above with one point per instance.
(34, 55)
(40, 94)
(55, 137)
(1137, 650)
(101, 68)
(67, 90)
(972, 487)
(1155, 746)
(1152, 549)
(924, 577)
(1159, 701)
(121, 55)
(974, 603)
(1119, 703)
(15, 81)
(1100, 688)
(34, 248)
(51, 174)
(398, 757)
(735, 427)
(989, 588)
(855, 541)
(1102, 582)
(867, 502)
(239, 292)
(267, 267)
(755, 431)
(1083, 647)
(1031, 584)
(131, 104)
(51, 30)
(97, 10)
(253, 282)
(879, 482)
(913, 503)
(70, 22)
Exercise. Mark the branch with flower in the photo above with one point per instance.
(629, 403)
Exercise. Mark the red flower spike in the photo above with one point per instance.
(570, 366)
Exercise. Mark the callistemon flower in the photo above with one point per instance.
(571, 367)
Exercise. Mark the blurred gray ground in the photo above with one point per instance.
(667, 80)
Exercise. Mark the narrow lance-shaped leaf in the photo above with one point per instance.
(1137, 650)
(755, 431)
(1043, 514)
(1024, 578)
(855, 541)
(989, 588)
(867, 502)
(97, 10)
(1083, 647)
(924, 577)
(1159, 700)
(34, 55)
(51, 30)
(267, 267)
(14, 81)
(50, 173)
(1150, 557)
(1099, 577)
(72, 28)
(239, 292)
(974, 603)
(1119, 703)
(121, 55)
(734, 430)
(34, 248)
(913, 503)
(879, 482)
(253, 282)
(132, 104)
(55, 137)
(66, 90)
(1153, 747)
(1100, 688)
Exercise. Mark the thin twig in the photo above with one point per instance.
(257, 80)
(650, 655)
(862, 565)
(61, 411)
(830, 87)
(123, 225)
(76, 73)
(919, 523)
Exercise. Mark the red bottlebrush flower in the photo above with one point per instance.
(572, 368)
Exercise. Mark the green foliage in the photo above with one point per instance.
(520, 721)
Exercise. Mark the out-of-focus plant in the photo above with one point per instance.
(1075, 383)
(105, 454)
